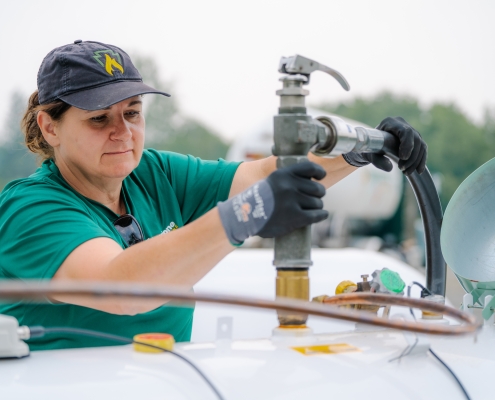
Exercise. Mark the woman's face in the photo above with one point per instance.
(101, 144)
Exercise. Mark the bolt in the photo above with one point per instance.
(365, 277)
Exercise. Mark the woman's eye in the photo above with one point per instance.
(99, 118)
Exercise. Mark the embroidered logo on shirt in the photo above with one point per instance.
(171, 227)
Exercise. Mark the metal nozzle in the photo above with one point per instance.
(343, 138)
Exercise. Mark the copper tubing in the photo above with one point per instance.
(41, 291)
(365, 298)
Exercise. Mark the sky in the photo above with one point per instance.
(222, 56)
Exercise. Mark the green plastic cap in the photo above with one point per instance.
(392, 281)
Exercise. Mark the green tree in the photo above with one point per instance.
(16, 161)
(167, 128)
(456, 145)
(372, 110)
(489, 127)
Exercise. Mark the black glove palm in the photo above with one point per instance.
(297, 199)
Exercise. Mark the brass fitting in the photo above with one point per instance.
(293, 284)
(365, 286)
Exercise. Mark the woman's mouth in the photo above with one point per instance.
(116, 153)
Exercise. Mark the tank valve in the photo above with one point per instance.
(384, 281)
(388, 282)
(364, 286)
(346, 287)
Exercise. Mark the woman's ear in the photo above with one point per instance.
(47, 126)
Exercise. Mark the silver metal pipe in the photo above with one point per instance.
(343, 138)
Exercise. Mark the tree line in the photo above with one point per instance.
(456, 144)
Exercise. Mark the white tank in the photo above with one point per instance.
(467, 236)
(235, 349)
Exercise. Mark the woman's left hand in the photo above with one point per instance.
(412, 149)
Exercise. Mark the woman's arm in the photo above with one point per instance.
(250, 172)
(412, 153)
(181, 257)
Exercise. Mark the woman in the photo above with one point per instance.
(102, 208)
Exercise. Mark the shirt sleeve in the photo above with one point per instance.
(198, 184)
(40, 225)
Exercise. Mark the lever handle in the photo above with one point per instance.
(301, 65)
(336, 74)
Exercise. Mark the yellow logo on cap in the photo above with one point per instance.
(112, 61)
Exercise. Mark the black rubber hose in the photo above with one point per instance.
(431, 214)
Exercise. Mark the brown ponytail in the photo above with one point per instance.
(33, 136)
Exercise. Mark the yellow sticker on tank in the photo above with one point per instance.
(334, 348)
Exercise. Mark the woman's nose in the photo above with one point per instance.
(121, 130)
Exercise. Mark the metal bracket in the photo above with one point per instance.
(467, 303)
(224, 328)
(488, 314)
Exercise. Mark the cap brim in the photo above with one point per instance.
(108, 95)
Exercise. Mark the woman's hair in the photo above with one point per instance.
(33, 136)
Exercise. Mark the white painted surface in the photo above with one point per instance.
(255, 369)
(266, 368)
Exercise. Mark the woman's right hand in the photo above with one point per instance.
(286, 200)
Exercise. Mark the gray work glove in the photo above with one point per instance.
(412, 149)
(286, 200)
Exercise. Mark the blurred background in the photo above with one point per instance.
(429, 61)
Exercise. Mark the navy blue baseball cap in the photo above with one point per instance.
(90, 76)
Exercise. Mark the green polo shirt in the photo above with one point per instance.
(42, 220)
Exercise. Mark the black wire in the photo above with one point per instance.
(85, 332)
(38, 330)
(422, 287)
(452, 373)
(430, 349)
(409, 293)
